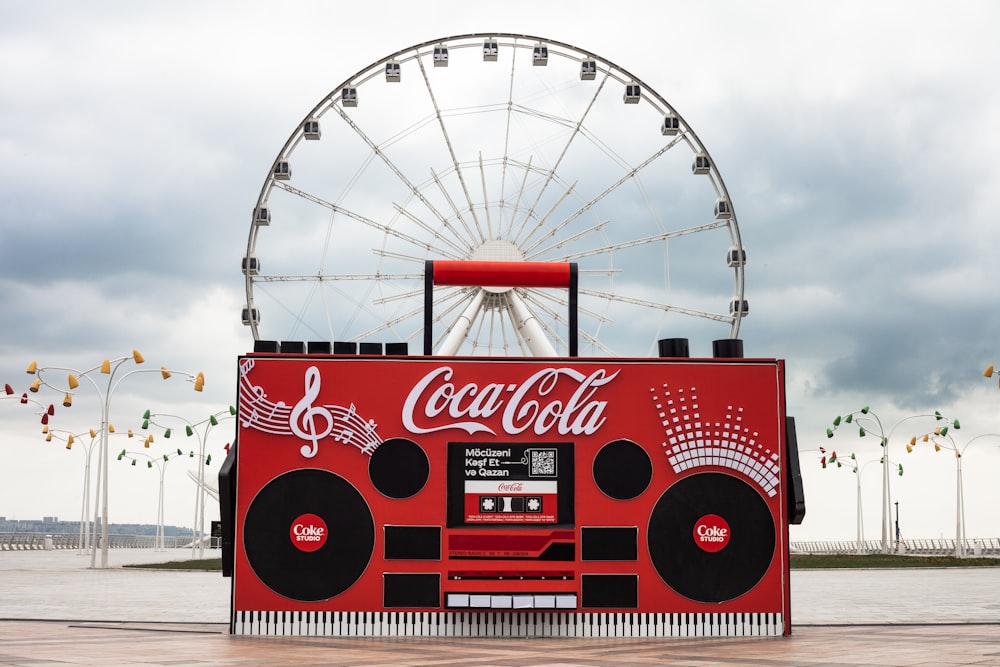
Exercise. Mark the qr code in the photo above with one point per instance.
(543, 463)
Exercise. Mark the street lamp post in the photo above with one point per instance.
(88, 528)
(161, 465)
(941, 438)
(48, 411)
(858, 470)
(869, 422)
(192, 429)
(104, 392)
(88, 450)
(897, 526)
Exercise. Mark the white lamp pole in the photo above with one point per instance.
(104, 391)
(88, 450)
(869, 422)
(858, 470)
(161, 466)
(192, 429)
(942, 439)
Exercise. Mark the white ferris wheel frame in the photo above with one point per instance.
(517, 306)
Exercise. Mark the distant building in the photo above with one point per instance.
(51, 524)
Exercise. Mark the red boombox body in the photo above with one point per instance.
(385, 495)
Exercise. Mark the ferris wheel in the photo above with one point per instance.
(494, 148)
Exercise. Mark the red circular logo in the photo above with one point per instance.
(711, 533)
(308, 532)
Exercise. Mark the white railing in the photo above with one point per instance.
(988, 547)
(49, 541)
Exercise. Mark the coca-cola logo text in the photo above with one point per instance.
(538, 405)
(510, 487)
(308, 532)
(711, 533)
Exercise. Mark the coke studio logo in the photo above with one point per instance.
(711, 533)
(308, 533)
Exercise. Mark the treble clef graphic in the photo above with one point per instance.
(303, 418)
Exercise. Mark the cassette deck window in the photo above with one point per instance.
(521, 485)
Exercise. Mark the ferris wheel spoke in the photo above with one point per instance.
(541, 115)
(643, 241)
(505, 161)
(386, 254)
(577, 128)
(583, 334)
(596, 343)
(486, 197)
(451, 152)
(457, 297)
(538, 296)
(361, 304)
(551, 297)
(297, 316)
(619, 298)
(458, 250)
(484, 331)
(321, 277)
(525, 170)
(402, 296)
(454, 208)
(415, 314)
(389, 324)
(390, 164)
(545, 218)
(628, 175)
(508, 323)
(530, 254)
(386, 229)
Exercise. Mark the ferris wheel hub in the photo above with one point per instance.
(497, 250)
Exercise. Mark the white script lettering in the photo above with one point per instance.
(531, 405)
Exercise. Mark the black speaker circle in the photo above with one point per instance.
(309, 575)
(622, 469)
(689, 569)
(399, 468)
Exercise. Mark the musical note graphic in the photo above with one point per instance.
(251, 419)
(303, 419)
(306, 420)
(352, 429)
(255, 410)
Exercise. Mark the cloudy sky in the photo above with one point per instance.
(857, 141)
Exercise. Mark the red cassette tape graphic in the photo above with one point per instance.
(461, 496)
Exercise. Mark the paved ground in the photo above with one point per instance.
(55, 610)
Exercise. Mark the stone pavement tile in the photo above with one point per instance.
(35, 643)
(843, 618)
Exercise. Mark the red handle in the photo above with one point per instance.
(478, 273)
(501, 274)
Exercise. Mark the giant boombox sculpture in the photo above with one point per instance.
(386, 494)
